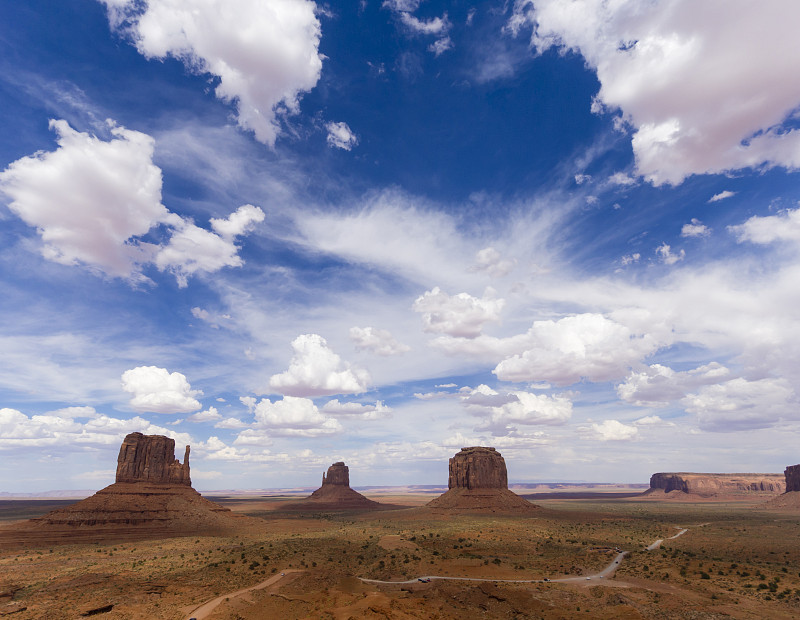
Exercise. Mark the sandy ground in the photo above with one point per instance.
(733, 559)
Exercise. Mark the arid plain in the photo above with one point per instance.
(738, 559)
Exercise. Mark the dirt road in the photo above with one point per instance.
(205, 609)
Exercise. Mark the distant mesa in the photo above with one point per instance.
(152, 497)
(335, 494)
(675, 485)
(478, 481)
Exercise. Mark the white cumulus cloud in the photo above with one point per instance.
(365, 412)
(18, 430)
(667, 256)
(659, 385)
(695, 229)
(341, 136)
(763, 230)
(377, 341)
(93, 200)
(315, 370)
(157, 390)
(265, 53)
(587, 346)
(209, 415)
(613, 430)
(90, 199)
(192, 249)
(490, 261)
(689, 77)
(460, 315)
(741, 405)
(502, 409)
(292, 416)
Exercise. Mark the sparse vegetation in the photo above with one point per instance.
(732, 555)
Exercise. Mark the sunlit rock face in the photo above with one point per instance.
(716, 484)
(151, 458)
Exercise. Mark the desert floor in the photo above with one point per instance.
(737, 560)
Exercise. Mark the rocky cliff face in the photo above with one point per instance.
(338, 474)
(478, 482)
(792, 478)
(151, 498)
(151, 458)
(718, 484)
(478, 468)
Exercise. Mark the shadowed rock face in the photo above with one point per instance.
(792, 477)
(338, 474)
(479, 482)
(151, 498)
(478, 468)
(151, 458)
(718, 484)
(335, 494)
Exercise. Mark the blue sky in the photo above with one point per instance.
(291, 233)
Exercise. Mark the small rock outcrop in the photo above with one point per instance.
(710, 485)
(478, 481)
(335, 494)
(151, 458)
(792, 478)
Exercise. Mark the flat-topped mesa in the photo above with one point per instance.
(792, 477)
(477, 468)
(151, 458)
(338, 474)
(718, 484)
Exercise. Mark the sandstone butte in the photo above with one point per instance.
(478, 481)
(791, 497)
(683, 484)
(152, 497)
(335, 494)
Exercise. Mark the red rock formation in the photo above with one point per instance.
(151, 458)
(336, 494)
(151, 498)
(478, 468)
(792, 478)
(338, 473)
(709, 485)
(478, 481)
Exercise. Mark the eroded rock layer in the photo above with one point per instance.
(716, 484)
(151, 458)
(478, 481)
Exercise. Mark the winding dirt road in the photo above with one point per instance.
(608, 571)
(204, 610)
